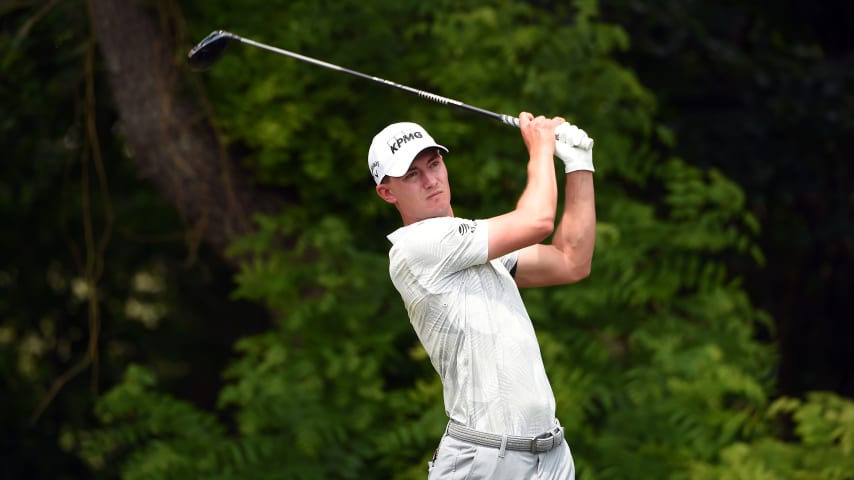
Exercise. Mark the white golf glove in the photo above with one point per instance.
(574, 147)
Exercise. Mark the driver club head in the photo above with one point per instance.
(210, 49)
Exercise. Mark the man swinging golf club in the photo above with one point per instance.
(459, 280)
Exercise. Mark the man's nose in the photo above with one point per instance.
(430, 179)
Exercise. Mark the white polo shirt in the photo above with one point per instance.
(469, 316)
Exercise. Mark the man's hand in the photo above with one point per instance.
(569, 147)
(539, 133)
(533, 219)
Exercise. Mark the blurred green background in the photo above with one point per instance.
(195, 278)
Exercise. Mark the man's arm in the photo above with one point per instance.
(568, 259)
(533, 218)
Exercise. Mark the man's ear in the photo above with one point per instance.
(386, 194)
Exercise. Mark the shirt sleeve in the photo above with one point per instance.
(510, 261)
(448, 244)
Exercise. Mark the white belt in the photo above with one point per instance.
(541, 443)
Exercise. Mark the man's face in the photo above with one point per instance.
(423, 191)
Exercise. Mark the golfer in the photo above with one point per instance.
(459, 280)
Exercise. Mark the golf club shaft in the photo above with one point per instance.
(506, 119)
(209, 50)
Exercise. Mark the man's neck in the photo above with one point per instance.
(410, 220)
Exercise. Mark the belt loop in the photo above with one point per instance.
(503, 446)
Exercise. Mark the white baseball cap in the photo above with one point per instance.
(395, 147)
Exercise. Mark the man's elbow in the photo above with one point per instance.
(542, 226)
(578, 272)
(583, 272)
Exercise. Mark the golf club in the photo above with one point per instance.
(211, 48)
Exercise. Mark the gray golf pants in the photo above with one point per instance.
(459, 460)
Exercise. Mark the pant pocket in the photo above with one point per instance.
(453, 460)
(432, 462)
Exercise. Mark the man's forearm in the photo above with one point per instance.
(539, 199)
(575, 235)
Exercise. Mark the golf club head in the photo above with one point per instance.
(210, 49)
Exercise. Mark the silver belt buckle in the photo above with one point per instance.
(558, 436)
(555, 435)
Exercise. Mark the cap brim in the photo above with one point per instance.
(398, 169)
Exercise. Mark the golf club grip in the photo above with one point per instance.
(585, 144)
(509, 120)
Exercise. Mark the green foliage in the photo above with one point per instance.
(87, 263)
(823, 448)
(652, 359)
(743, 87)
(155, 435)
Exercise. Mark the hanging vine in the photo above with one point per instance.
(91, 266)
